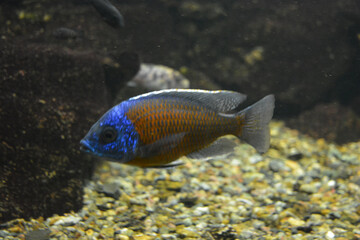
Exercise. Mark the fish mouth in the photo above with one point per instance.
(85, 146)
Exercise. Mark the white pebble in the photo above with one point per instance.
(255, 158)
(332, 183)
(199, 211)
(330, 235)
(68, 221)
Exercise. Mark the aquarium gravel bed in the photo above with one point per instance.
(301, 188)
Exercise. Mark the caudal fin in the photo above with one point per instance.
(256, 130)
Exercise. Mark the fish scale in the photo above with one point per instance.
(202, 129)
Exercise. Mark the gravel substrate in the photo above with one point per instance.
(301, 188)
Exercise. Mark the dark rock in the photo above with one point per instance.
(334, 215)
(189, 201)
(296, 50)
(295, 156)
(66, 33)
(41, 234)
(110, 190)
(332, 121)
(286, 48)
(199, 80)
(50, 97)
(120, 69)
(277, 165)
(302, 196)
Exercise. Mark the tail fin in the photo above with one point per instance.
(256, 128)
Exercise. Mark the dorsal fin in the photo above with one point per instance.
(221, 100)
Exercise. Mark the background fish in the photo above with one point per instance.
(154, 129)
(109, 13)
(157, 77)
(66, 33)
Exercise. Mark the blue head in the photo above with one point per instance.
(112, 136)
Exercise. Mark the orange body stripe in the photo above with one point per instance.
(176, 128)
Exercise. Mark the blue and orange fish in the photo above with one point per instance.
(157, 128)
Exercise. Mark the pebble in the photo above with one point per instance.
(199, 211)
(255, 158)
(277, 165)
(110, 190)
(41, 234)
(309, 188)
(330, 235)
(68, 221)
(301, 188)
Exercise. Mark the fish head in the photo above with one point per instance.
(112, 136)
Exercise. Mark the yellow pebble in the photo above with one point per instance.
(46, 17)
(292, 164)
(142, 237)
(295, 222)
(21, 15)
(122, 237)
(15, 229)
(89, 232)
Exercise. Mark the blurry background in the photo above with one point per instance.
(62, 64)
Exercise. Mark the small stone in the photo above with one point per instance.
(186, 222)
(199, 211)
(107, 232)
(4, 234)
(142, 237)
(334, 215)
(168, 236)
(41, 234)
(330, 235)
(15, 229)
(251, 176)
(138, 201)
(255, 158)
(164, 230)
(68, 221)
(89, 232)
(279, 206)
(331, 183)
(295, 222)
(125, 231)
(189, 201)
(122, 237)
(309, 188)
(204, 186)
(258, 224)
(187, 233)
(277, 165)
(235, 219)
(247, 234)
(235, 162)
(295, 156)
(110, 190)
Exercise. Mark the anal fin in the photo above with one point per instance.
(221, 148)
(169, 165)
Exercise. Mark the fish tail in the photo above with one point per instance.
(255, 123)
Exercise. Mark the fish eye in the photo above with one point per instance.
(108, 135)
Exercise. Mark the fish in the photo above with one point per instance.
(156, 129)
(158, 77)
(66, 33)
(109, 13)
